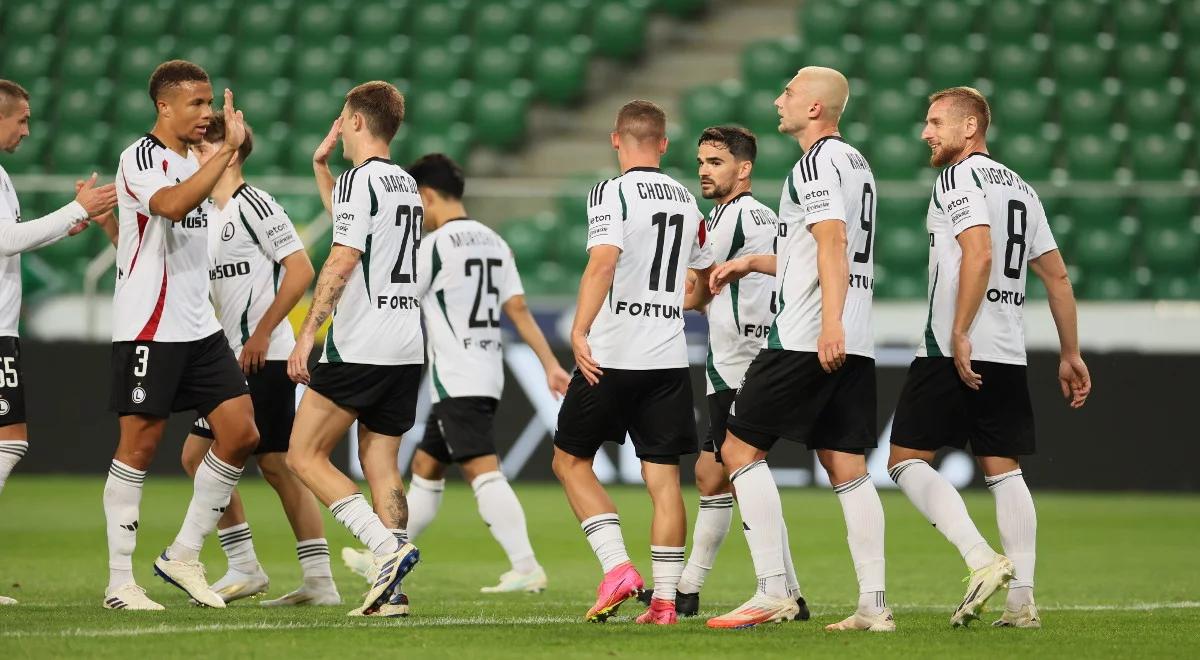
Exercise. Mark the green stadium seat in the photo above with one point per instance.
(1144, 64)
(381, 59)
(770, 63)
(834, 57)
(318, 65)
(898, 157)
(902, 246)
(895, 110)
(27, 61)
(889, 66)
(264, 106)
(496, 66)
(440, 107)
(147, 19)
(949, 65)
(313, 110)
(322, 20)
(205, 20)
(557, 21)
(374, 20)
(1076, 20)
(570, 201)
(436, 22)
(76, 107)
(1175, 287)
(1171, 250)
(29, 158)
(948, 19)
(529, 239)
(709, 105)
(1097, 211)
(1101, 248)
(437, 64)
(1189, 19)
(269, 153)
(1011, 21)
(302, 209)
(619, 29)
(86, 61)
(1152, 108)
(1013, 65)
(1158, 158)
(1080, 64)
(1086, 111)
(498, 21)
(824, 22)
(908, 212)
(758, 111)
(896, 284)
(213, 54)
(454, 142)
(1028, 155)
(1139, 20)
(682, 8)
(89, 18)
(570, 246)
(81, 152)
(263, 20)
(559, 73)
(885, 19)
(1191, 63)
(776, 156)
(31, 18)
(1175, 211)
(298, 160)
(260, 63)
(136, 61)
(1107, 286)
(499, 118)
(1020, 110)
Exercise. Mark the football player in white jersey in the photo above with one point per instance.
(259, 272)
(644, 234)
(968, 382)
(814, 381)
(17, 237)
(169, 353)
(370, 369)
(472, 278)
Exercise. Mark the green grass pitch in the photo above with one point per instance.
(1116, 576)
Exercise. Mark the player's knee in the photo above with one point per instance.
(299, 463)
(274, 470)
(563, 464)
(711, 484)
(190, 462)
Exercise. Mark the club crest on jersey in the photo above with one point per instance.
(4, 407)
(138, 394)
(227, 231)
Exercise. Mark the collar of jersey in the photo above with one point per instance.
(240, 189)
(737, 197)
(461, 217)
(641, 169)
(378, 158)
(827, 137)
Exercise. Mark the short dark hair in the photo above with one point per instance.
(216, 133)
(381, 104)
(642, 120)
(174, 72)
(739, 141)
(9, 92)
(439, 172)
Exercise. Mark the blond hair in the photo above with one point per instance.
(968, 102)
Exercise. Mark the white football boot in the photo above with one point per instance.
(236, 585)
(314, 591)
(1025, 617)
(392, 570)
(882, 621)
(513, 581)
(130, 597)
(980, 587)
(360, 561)
(5, 600)
(188, 576)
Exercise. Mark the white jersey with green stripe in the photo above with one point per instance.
(832, 182)
(471, 274)
(376, 210)
(247, 242)
(739, 316)
(981, 191)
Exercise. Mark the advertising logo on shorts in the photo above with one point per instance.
(4, 407)
(138, 394)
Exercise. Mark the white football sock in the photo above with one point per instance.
(712, 526)
(314, 558)
(603, 532)
(790, 579)
(214, 484)
(941, 505)
(762, 520)
(122, 502)
(238, 545)
(11, 451)
(1017, 520)
(502, 512)
(400, 534)
(864, 534)
(358, 517)
(666, 565)
(424, 500)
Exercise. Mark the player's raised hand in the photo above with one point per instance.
(298, 360)
(235, 123)
(962, 361)
(558, 380)
(96, 201)
(325, 149)
(583, 359)
(831, 347)
(1075, 380)
(730, 271)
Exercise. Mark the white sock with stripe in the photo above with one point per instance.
(864, 534)
(122, 502)
(213, 487)
(712, 526)
(942, 506)
(502, 513)
(1017, 519)
(362, 521)
(314, 558)
(424, 500)
(238, 545)
(11, 452)
(762, 520)
(666, 565)
(603, 532)
(790, 579)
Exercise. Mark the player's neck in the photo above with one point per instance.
(169, 139)
(631, 159)
(372, 149)
(451, 211)
(972, 147)
(738, 189)
(814, 132)
(226, 186)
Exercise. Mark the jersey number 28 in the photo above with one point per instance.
(408, 217)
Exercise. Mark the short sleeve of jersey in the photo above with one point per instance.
(270, 223)
(963, 202)
(701, 254)
(605, 218)
(1043, 238)
(429, 264)
(352, 210)
(821, 189)
(512, 280)
(141, 178)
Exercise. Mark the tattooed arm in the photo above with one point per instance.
(330, 284)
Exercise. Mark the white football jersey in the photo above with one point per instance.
(980, 191)
(471, 274)
(740, 316)
(162, 266)
(655, 222)
(10, 267)
(376, 209)
(248, 240)
(832, 181)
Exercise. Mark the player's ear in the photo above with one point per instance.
(662, 146)
(615, 138)
(970, 126)
(744, 169)
(814, 110)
